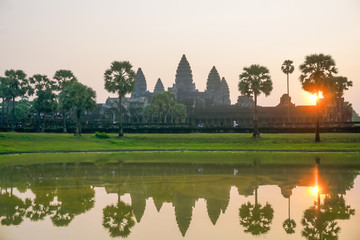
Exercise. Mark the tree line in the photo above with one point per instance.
(64, 93)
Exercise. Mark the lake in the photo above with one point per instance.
(179, 201)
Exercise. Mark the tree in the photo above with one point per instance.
(64, 78)
(150, 111)
(119, 78)
(17, 85)
(79, 98)
(287, 67)
(289, 224)
(178, 112)
(254, 81)
(45, 101)
(338, 85)
(5, 95)
(316, 72)
(118, 219)
(255, 218)
(163, 101)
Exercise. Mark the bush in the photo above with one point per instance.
(101, 135)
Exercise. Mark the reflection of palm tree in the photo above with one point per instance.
(118, 219)
(319, 220)
(12, 209)
(255, 218)
(289, 224)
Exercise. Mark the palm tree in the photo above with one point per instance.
(119, 78)
(254, 81)
(289, 224)
(316, 72)
(287, 67)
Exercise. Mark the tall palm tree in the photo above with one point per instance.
(316, 74)
(288, 68)
(254, 81)
(119, 78)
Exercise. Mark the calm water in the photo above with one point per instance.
(161, 201)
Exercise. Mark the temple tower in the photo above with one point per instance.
(140, 84)
(224, 92)
(213, 86)
(184, 79)
(159, 87)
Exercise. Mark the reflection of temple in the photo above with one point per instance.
(181, 185)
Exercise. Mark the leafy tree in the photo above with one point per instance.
(4, 95)
(178, 112)
(22, 109)
(319, 220)
(64, 78)
(254, 81)
(338, 85)
(119, 78)
(79, 98)
(118, 219)
(256, 218)
(316, 72)
(150, 111)
(163, 101)
(73, 201)
(12, 209)
(17, 86)
(45, 101)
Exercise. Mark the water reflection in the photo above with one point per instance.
(63, 191)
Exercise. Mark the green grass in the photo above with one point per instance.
(218, 158)
(37, 142)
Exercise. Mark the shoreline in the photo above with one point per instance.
(181, 150)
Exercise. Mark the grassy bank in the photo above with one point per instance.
(219, 158)
(37, 142)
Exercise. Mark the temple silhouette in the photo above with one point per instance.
(212, 107)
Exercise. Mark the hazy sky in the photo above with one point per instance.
(85, 36)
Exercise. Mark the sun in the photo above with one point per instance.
(313, 98)
(314, 190)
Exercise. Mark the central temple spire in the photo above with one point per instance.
(184, 79)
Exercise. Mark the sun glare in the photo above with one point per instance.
(314, 191)
(313, 98)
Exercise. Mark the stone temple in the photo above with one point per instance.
(212, 107)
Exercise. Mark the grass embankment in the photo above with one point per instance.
(37, 142)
